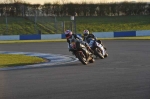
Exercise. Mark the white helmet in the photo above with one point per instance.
(68, 34)
(86, 33)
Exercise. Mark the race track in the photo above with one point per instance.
(125, 74)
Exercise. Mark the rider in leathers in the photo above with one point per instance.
(87, 39)
(70, 36)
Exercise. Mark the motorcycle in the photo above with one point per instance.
(98, 48)
(81, 52)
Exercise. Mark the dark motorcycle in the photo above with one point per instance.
(81, 52)
(97, 50)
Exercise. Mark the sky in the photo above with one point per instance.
(74, 1)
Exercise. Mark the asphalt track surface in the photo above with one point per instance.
(125, 74)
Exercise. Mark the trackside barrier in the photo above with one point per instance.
(50, 36)
(9, 37)
(104, 34)
(122, 34)
(62, 36)
(143, 33)
(125, 34)
(30, 37)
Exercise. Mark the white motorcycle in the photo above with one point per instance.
(98, 48)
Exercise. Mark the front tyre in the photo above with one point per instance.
(82, 58)
(106, 55)
(98, 53)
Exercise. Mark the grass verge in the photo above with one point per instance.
(11, 60)
(47, 25)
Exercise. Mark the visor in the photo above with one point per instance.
(85, 34)
(68, 36)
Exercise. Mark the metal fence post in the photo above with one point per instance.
(56, 27)
(35, 20)
(6, 22)
(63, 27)
(75, 25)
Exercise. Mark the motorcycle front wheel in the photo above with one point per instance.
(82, 58)
(98, 53)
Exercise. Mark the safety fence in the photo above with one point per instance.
(33, 25)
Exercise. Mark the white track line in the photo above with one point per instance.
(53, 59)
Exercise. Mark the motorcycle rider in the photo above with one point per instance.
(86, 38)
(70, 36)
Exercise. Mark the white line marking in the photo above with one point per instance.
(55, 59)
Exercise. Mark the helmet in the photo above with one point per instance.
(68, 33)
(86, 33)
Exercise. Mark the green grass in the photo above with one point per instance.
(16, 25)
(19, 25)
(11, 60)
(115, 23)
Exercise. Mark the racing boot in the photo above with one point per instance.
(100, 42)
(73, 52)
(104, 46)
(105, 54)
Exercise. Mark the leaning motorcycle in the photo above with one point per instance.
(81, 52)
(95, 46)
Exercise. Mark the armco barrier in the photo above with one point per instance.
(62, 36)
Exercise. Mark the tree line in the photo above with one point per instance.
(78, 9)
